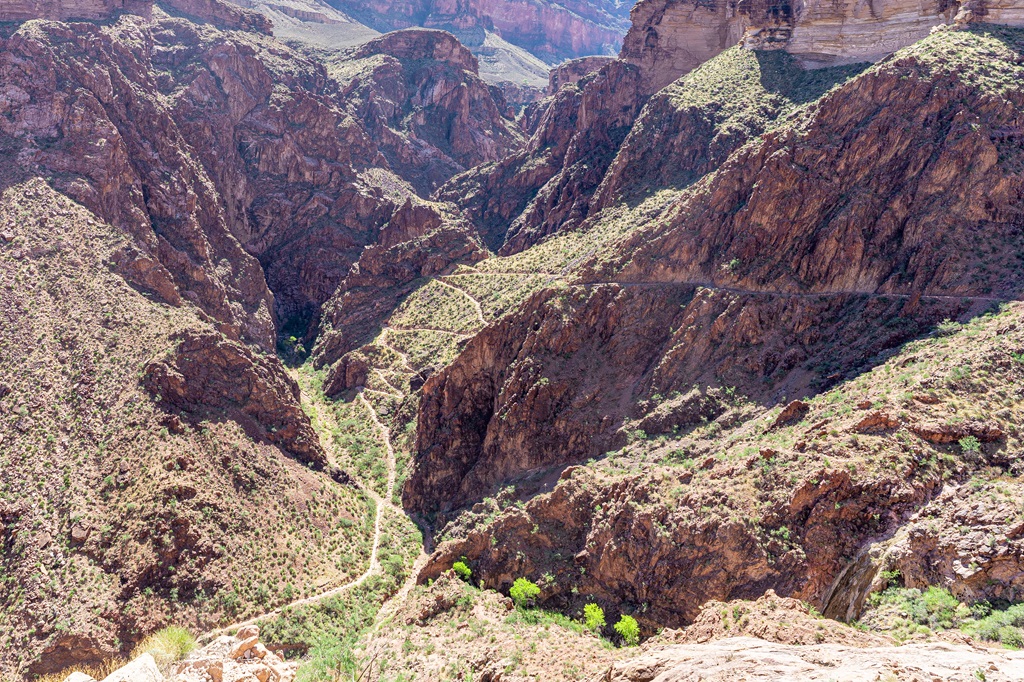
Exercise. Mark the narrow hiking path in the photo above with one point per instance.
(325, 424)
(476, 303)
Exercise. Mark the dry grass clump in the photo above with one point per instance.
(96, 671)
(167, 646)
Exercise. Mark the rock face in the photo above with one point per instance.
(382, 277)
(734, 284)
(732, 234)
(753, 659)
(224, 15)
(419, 95)
(268, 166)
(233, 659)
(690, 127)
(669, 38)
(548, 185)
(110, 165)
(207, 376)
(554, 383)
(553, 30)
(58, 10)
(573, 70)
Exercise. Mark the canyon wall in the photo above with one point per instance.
(552, 30)
(669, 38)
(63, 10)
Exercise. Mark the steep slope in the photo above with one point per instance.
(548, 184)
(693, 125)
(727, 297)
(420, 98)
(123, 510)
(188, 155)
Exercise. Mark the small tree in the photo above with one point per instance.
(462, 570)
(593, 617)
(524, 592)
(629, 630)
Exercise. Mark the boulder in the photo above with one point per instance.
(142, 669)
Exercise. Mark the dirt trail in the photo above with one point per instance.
(476, 303)
(324, 423)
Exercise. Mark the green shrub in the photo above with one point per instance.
(524, 592)
(629, 630)
(1001, 626)
(593, 617)
(462, 570)
(970, 444)
(1011, 637)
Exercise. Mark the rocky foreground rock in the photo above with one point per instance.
(746, 658)
(238, 658)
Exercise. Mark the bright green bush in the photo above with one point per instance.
(524, 592)
(593, 617)
(970, 444)
(629, 630)
(1001, 626)
(462, 570)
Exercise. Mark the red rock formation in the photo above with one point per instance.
(380, 279)
(573, 70)
(619, 544)
(548, 185)
(207, 376)
(553, 383)
(420, 98)
(669, 38)
(224, 15)
(145, 179)
(690, 127)
(889, 133)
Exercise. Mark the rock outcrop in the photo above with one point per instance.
(207, 376)
(379, 280)
(234, 659)
(734, 284)
(420, 97)
(690, 127)
(753, 659)
(573, 70)
(669, 38)
(548, 185)
(61, 10)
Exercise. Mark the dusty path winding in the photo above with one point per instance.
(324, 421)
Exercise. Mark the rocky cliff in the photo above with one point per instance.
(548, 184)
(735, 286)
(419, 96)
(670, 38)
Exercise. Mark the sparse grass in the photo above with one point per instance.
(97, 671)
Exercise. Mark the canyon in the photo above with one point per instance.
(321, 340)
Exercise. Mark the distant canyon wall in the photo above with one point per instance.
(552, 30)
(669, 38)
(224, 15)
